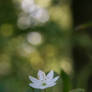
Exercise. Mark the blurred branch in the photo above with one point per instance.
(83, 26)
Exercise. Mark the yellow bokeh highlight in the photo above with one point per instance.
(44, 3)
(50, 51)
(36, 60)
(53, 64)
(66, 65)
(62, 16)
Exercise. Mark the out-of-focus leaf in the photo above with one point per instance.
(66, 81)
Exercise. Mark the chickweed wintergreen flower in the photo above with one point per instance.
(44, 81)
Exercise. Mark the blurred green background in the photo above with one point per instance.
(63, 44)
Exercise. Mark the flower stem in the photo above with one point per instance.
(32, 89)
(44, 90)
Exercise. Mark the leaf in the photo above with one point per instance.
(66, 82)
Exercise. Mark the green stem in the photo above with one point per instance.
(44, 90)
(32, 89)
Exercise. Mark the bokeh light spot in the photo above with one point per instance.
(35, 38)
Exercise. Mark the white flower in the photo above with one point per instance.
(43, 81)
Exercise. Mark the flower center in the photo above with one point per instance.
(44, 84)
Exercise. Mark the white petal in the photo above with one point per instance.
(34, 85)
(52, 84)
(55, 79)
(43, 87)
(47, 86)
(33, 79)
(41, 75)
(50, 75)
